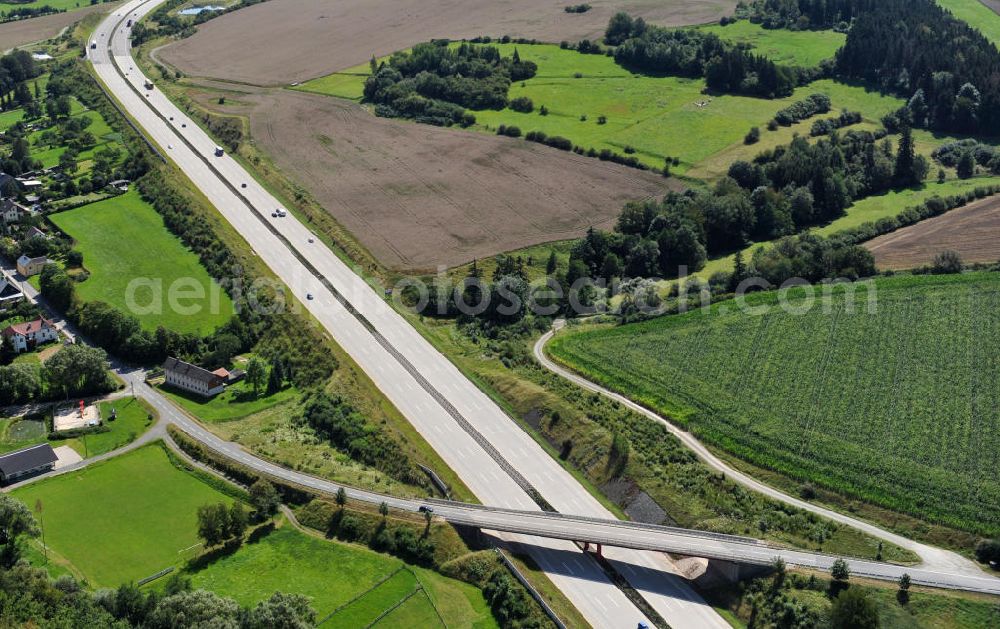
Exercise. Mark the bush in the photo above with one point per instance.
(946, 262)
(522, 104)
(753, 136)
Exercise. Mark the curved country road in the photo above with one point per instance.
(932, 558)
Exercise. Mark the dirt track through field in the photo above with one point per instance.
(284, 41)
(971, 231)
(418, 196)
(23, 32)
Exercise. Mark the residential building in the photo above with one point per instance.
(11, 211)
(193, 378)
(30, 461)
(10, 292)
(31, 266)
(30, 334)
(34, 232)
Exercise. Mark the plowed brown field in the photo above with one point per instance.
(419, 196)
(285, 41)
(973, 231)
(22, 32)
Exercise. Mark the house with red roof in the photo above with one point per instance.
(30, 334)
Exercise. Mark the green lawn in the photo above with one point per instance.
(795, 48)
(899, 407)
(122, 519)
(124, 239)
(130, 424)
(66, 5)
(235, 402)
(333, 574)
(866, 210)
(656, 116)
(976, 14)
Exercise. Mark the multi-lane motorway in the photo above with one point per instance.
(497, 460)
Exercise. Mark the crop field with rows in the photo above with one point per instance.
(899, 407)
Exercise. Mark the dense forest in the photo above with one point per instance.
(948, 70)
(435, 83)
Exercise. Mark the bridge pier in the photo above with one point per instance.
(586, 548)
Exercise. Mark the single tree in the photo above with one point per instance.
(341, 498)
(780, 572)
(264, 498)
(15, 520)
(383, 509)
(840, 571)
(905, 171)
(276, 378)
(852, 609)
(739, 272)
(213, 524)
(966, 167)
(237, 523)
(903, 595)
(256, 374)
(552, 264)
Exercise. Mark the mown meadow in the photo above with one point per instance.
(898, 407)
(123, 239)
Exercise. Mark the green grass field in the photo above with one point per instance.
(656, 116)
(65, 5)
(795, 48)
(235, 402)
(899, 408)
(359, 583)
(124, 239)
(976, 14)
(123, 519)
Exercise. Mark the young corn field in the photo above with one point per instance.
(900, 407)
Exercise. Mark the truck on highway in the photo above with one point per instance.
(93, 44)
(148, 84)
(219, 151)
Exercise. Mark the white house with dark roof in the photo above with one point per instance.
(192, 378)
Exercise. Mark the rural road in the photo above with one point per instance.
(542, 526)
(935, 559)
(500, 463)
